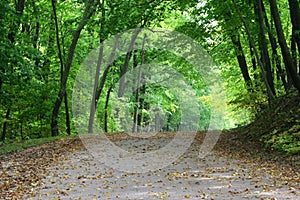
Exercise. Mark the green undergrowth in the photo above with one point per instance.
(17, 146)
(278, 127)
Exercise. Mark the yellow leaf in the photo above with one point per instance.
(123, 187)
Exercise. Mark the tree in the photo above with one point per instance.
(295, 16)
(90, 7)
(273, 42)
(287, 58)
(264, 48)
(19, 6)
(241, 58)
(61, 68)
(106, 108)
(140, 18)
(42, 48)
(250, 38)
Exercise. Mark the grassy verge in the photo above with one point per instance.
(17, 146)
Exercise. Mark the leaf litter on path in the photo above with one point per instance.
(67, 171)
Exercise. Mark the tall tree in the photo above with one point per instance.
(273, 42)
(264, 46)
(235, 38)
(98, 67)
(287, 58)
(252, 43)
(68, 125)
(295, 18)
(124, 68)
(90, 7)
(19, 9)
(106, 108)
(138, 84)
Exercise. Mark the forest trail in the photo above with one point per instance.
(66, 170)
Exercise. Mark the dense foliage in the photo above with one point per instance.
(255, 44)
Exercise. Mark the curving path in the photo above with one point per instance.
(214, 177)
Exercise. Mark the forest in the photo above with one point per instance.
(255, 45)
(223, 76)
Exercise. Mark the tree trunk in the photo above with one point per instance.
(124, 68)
(99, 88)
(252, 44)
(280, 71)
(68, 129)
(294, 47)
(93, 103)
(295, 18)
(136, 117)
(97, 75)
(106, 108)
(241, 59)
(137, 92)
(68, 121)
(254, 66)
(88, 12)
(140, 117)
(287, 58)
(264, 46)
(4, 128)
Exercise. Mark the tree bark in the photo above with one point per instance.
(124, 68)
(106, 108)
(287, 58)
(142, 106)
(88, 12)
(137, 95)
(294, 47)
(253, 61)
(264, 46)
(137, 92)
(295, 18)
(99, 88)
(68, 125)
(241, 59)
(4, 128)
(280, 71)
(93, 103)
(97, 75)
(68, 121)
(252, 44)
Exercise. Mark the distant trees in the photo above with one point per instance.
(260, 37)
(42, 46)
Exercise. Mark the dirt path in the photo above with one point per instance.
(214, 177)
